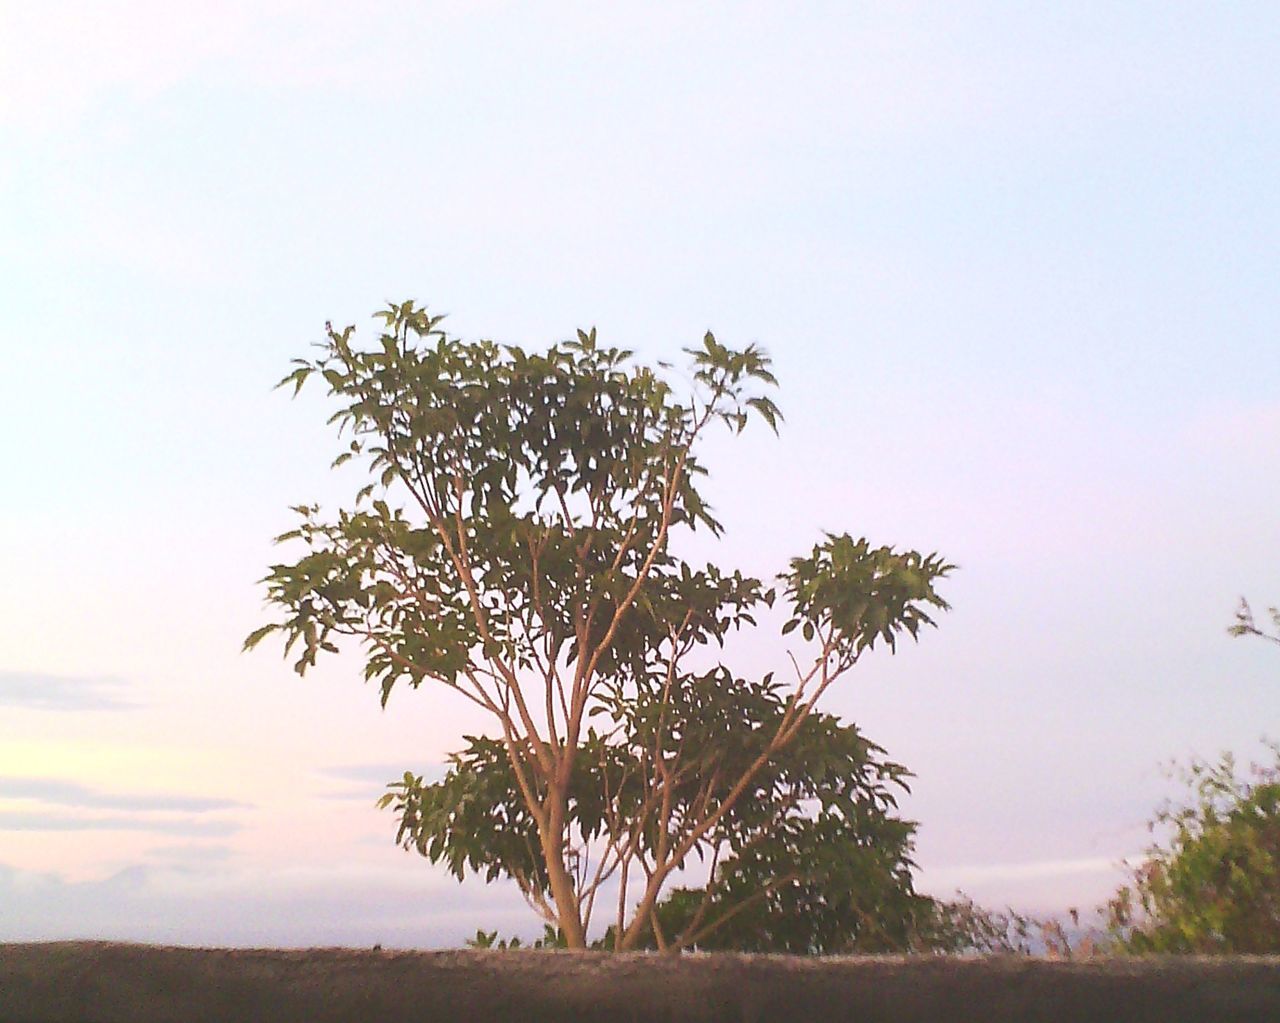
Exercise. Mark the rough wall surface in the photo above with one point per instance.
(95, 982)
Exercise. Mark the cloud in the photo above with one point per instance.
(191, 855)
(40, 691)
(409, 905)
(18, 820)
(376, 774)
(1034, 886)
(67, 793)
(1022, 871)
(368, 781)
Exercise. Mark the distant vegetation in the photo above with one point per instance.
(1213, 884)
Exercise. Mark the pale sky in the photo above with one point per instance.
(1016, 265)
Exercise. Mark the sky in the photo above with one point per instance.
(1015, 265)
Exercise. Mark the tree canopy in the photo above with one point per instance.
(513, 543)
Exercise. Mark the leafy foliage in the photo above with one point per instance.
(1214, 887)
(819, 865)
(552, 938)
(1246, 624)
(810, 859)
(513, 544)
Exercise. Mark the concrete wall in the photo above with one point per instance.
(92, 982)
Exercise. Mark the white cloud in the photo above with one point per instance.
(967, 874)
(60, 792)
(19, 820)
(1037, 887)
(215, 904)
(37, 690)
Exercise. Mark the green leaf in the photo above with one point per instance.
(257, 636)
(768, 411)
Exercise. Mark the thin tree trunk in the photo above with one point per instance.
(568, 911)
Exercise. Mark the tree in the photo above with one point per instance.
(514, 544)
(1215, 886)
(812, 860)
